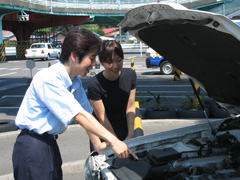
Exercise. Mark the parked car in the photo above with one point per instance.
(44, 51)
(237, 21)
(155, 60)
(205, 46)
(58, 44)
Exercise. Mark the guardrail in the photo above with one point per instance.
(101, 4)
(11, 51)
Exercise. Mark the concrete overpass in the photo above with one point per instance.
(51, 13)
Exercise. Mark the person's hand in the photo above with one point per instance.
(100, 146)
(121, 149)
(129, 137)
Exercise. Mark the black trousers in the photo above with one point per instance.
(36, 157)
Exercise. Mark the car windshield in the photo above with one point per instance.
(38, 46)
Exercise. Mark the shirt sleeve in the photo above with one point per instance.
(59, 101)
(94, 92)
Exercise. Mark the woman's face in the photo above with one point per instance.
(113, 66)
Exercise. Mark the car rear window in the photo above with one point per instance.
(38, 46)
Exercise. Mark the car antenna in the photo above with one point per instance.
(200, 102)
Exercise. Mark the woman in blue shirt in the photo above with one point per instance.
(54, 98)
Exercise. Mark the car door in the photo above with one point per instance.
(55, 50)
(50, 50)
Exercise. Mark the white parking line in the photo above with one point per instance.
(12, 96)
(25, 69)
(39, 69)
(9, 107)
(13, 69)
(2, 69)
(10, 86)
(8, 74)
(16, 61)
(130, 57)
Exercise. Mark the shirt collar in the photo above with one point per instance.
(64, 74)
(75, 83)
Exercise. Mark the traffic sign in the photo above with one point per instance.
(30, 64)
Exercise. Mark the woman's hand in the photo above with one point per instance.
(129, 137)
(100, 146)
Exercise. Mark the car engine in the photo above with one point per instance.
(203, 155)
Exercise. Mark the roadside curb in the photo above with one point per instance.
(163, 121)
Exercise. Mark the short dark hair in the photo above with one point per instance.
(110, 47)
(81, 42)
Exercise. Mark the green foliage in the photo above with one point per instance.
(141, 100)
(94, 28)
(9, 43)
(192, 103)
(157, 98)
(63, 29)
(43, 31)
(91, 27)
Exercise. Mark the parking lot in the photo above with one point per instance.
(74, 144)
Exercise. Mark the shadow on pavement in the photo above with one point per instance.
(7, 125)
(152, 73)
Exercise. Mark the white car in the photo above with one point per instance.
(205, 46)
(44, 51)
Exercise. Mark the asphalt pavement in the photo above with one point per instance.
(74, 146)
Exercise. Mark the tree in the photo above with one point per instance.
(91, 27)
(94, 28)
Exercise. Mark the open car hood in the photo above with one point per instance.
(203, 45)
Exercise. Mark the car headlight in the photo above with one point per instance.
(90, 171)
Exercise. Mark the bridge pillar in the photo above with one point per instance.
(24, 29)
(21, 47)
(22, 32)
(2, 45)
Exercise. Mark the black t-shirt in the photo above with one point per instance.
(115, 95)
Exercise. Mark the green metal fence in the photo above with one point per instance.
(101, 4)
(228, 7)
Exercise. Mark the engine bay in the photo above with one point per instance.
(205, 155)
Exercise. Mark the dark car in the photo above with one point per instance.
(205, 46)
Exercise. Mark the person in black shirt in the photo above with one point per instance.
(112, 94)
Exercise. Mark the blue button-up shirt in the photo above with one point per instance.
(51, 101)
